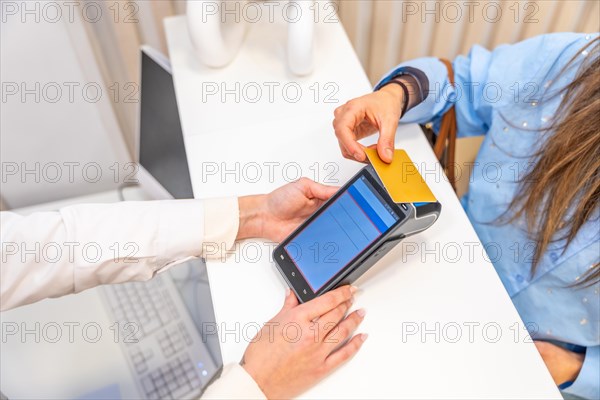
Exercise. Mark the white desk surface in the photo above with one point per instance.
(437, 281)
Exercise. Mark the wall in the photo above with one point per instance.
(386, 32)
(59, 137)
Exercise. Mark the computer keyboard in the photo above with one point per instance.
(166, 354)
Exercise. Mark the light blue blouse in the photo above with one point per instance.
(507, 94)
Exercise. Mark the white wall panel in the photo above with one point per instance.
(60, 114)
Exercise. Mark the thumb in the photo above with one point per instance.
(385, 144)
(321, 192)
(290, 300)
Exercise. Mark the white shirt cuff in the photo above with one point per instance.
(221, 224)
(234, 383)
(180, 230)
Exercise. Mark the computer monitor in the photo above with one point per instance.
(161, 146)
(164, 174)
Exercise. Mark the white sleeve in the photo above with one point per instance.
(51, 254)
(234, 383)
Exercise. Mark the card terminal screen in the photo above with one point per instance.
(342, 231)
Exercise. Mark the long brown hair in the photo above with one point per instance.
(562, 192)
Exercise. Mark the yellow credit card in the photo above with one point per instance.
(401, 178)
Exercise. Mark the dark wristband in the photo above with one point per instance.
(404, 91)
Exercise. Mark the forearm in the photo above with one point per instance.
(421, 77)
(52, 254)
(413, 95)
(586, 384)
(251, 217)
(470, 74)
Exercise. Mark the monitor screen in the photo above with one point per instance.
(340, 233)
(162, 150)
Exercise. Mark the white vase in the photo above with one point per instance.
(301, 33)
(216, 43)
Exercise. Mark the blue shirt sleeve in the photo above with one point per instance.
(587, 384)
(484, 81)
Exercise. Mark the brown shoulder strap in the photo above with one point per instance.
(446, 139)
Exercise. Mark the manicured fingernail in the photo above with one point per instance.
(364, 336)
(357, 157)
(287, 291)
(362, 312)
(389, 153)
(353, 289)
